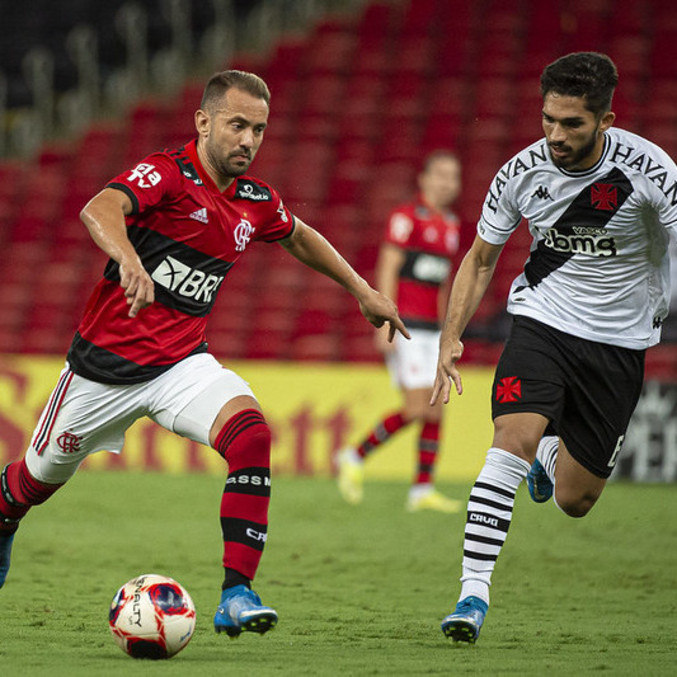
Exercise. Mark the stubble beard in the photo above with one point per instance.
(573, 161)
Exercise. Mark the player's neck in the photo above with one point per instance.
(593, 157)
(220, 181)
(432, 204)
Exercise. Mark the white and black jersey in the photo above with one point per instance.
(599, 265)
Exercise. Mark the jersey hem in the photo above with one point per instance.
(631, 344)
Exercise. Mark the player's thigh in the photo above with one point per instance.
(80, 418)
(417, 405)
(519, 433)
(413, 363)
(528, 390)
(604, 385)
(196, 393)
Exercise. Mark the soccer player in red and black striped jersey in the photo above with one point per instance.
(414, 268)
(173, 227)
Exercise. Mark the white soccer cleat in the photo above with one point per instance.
(351, 476)
(427, 498)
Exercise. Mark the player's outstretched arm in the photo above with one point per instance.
(470, 284)
(388, 266)
(309, 247)
(104, 216)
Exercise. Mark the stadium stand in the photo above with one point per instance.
(355, 105)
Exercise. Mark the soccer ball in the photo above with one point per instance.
(152, 616)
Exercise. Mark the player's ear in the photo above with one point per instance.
(202, 122)
(607, 120)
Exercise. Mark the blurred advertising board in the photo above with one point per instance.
(313, 410)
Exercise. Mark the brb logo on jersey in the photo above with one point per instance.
(428, 268)
(242, 234)
(145, 175)
(188, 282)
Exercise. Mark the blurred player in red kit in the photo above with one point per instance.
(173, 227)
(414, 268)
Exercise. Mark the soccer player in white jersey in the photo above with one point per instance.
(600, 203)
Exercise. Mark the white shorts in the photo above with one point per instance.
(83, 416)
(413, 363)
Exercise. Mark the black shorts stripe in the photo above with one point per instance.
(54, 405)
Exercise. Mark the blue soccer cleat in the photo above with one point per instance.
(241, 609)
(5, 552)
(540, 486)
(463, 625)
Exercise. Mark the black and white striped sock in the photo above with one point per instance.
(489, 514)
(547, 455)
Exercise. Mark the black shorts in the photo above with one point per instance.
(587, 390)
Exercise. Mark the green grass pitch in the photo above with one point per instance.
(359, 590)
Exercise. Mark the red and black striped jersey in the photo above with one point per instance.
(188, 235)
(429, 239)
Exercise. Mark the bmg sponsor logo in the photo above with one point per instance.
(582, 240)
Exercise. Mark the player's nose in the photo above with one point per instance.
(557, 134)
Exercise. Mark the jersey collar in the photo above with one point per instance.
(594, 168)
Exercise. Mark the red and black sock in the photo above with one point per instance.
(428, 445)
(244, 442)
(19, 492)
(387, 427)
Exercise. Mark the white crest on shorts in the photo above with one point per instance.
(242, 234)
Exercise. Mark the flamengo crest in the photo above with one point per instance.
(242, 234)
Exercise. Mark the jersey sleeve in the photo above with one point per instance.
(399, 228)
(500, 214)
(278, 222)
(149, 183)
(667, 206)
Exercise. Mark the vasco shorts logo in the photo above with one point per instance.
(509, 389)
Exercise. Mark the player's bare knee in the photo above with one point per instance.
(574, 505)
(512, 440)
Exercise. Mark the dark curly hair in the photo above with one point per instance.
(590, 75)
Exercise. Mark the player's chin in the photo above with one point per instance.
(238, 168)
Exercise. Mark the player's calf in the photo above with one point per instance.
(19, 491)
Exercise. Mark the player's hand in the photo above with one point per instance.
(137, 284)
(381, 341)
(450, 354)
(379, 309)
